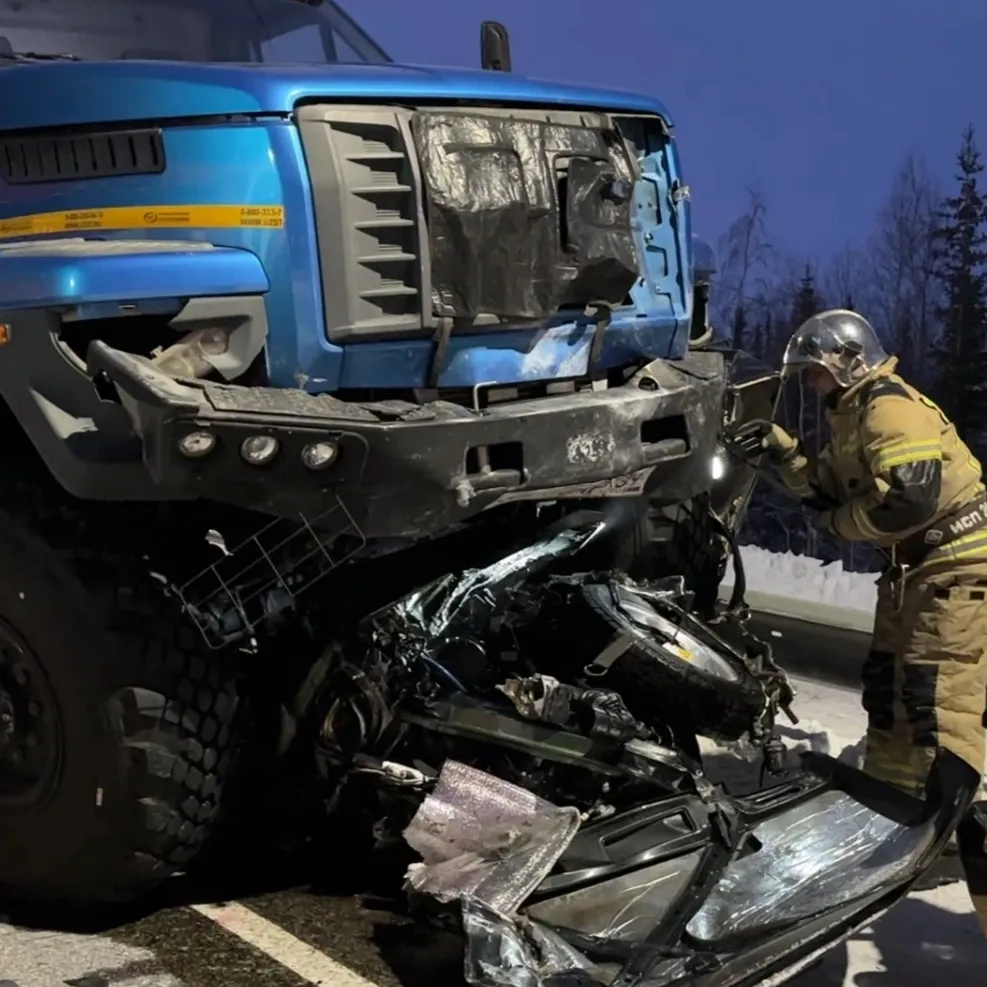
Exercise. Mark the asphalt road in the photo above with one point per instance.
(267, 924)
(289, 936)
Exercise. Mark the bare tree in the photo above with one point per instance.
(779, 288)
(847, 282)
(901, 251)
(745, 255)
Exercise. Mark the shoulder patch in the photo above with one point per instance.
(885, 387)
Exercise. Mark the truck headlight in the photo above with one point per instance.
(718, 465)
(195, 445)
(259, 450)
(319, 455)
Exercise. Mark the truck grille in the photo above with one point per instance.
(368, 215)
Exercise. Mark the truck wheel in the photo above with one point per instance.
(116, 732)
(669, 674)
(681, 541)
(688, 544)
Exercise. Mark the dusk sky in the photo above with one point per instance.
(815, 103)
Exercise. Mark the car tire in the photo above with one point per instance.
(686, 678)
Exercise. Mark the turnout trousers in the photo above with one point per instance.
(925, 681)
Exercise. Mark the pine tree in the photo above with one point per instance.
(740, 328)
(762, 337)
(807, 302)
(903, 335)
(961, 270)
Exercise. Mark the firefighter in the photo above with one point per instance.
(896, 474)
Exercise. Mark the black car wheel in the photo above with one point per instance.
(672, 672)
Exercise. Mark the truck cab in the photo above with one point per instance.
(252, 196)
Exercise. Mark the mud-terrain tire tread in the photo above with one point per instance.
(693, 549)
(175, 707)
(696, 552)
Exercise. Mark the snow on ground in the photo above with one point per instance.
(929, 937)
(837, 728)
(802, 577)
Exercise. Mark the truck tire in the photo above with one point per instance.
(120, 728)
(681, 541)
(673, 676)
(687, 544)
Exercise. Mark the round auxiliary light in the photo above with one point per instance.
(319, 455)
(259, 450)
(195, 445)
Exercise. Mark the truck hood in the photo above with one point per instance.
(57, 94)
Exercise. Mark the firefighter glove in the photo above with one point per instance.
(756, 438)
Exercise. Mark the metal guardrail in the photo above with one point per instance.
(813, 640)
(808, 611)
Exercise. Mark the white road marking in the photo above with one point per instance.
(302, 959)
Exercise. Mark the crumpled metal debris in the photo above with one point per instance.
(467, 600)
(506, 951)
(816, 856)
(593, 712)
(489, 844)
(481, 836)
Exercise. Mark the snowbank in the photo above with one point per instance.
(805, 588)
(801, 577)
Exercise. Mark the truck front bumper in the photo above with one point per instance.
(410, 470)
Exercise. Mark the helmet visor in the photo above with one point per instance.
(804, 350)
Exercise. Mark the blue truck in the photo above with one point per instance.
(283, 326)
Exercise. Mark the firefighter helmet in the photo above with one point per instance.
(841, 341)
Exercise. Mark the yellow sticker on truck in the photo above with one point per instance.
(143, 218)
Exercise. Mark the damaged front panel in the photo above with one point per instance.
(813, 857)
(470, 217)
(795, 867)
(525, 216)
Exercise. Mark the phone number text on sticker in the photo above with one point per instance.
(144, 218)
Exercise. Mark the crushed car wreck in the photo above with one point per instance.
(575, 841)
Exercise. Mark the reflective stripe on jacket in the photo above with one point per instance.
(895, 464)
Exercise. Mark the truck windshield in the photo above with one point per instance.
(276, 31)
